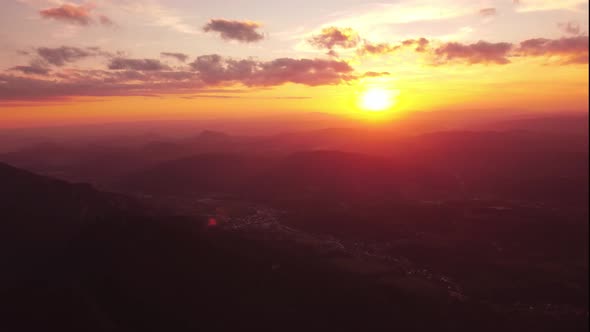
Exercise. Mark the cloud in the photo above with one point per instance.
(420, 45)
(68, 13)
(74, 14)
(331, 37)
(301, 71)
(61, 55)
(178, 56)
(33, 70)
(332, 53)
(148, 77)
(88, 82)
(47, 75)
(105, 20)
(570, 28)
(119, 63)
(241, 31)
(481, 52)
(572, 50)
(568, 50)
(214, 69)
(487, 12)
(376, 74)
(381, 48)
(36, 67)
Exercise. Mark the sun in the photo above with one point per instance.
(376, 100)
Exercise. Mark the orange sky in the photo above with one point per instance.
(137, 60)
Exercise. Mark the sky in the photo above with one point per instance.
(105, 60)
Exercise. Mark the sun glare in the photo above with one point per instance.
(376, 100)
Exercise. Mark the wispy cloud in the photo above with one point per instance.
(156, 14)
(547, 5)
(370, 16)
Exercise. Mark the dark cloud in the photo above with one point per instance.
(61, 55)
(127, 76)
(119, 63)
(145, 77)
(486, 12)
(68, 13)
(97, 83)
(332, 37)
(570, 50)
(242, 31)
(301, 71)
(570, 28)
(36, 67)
(178, 56)
(480, 52)
(214, 69)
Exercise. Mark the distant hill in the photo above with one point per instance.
(510, 164)
(572, 124)
(518, 165)
(203, 173)
(304, 174)
(331, 173)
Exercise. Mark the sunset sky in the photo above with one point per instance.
(103, 60)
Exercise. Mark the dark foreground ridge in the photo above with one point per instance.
(75, 259)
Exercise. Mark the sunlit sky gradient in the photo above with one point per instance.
(104, 60)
